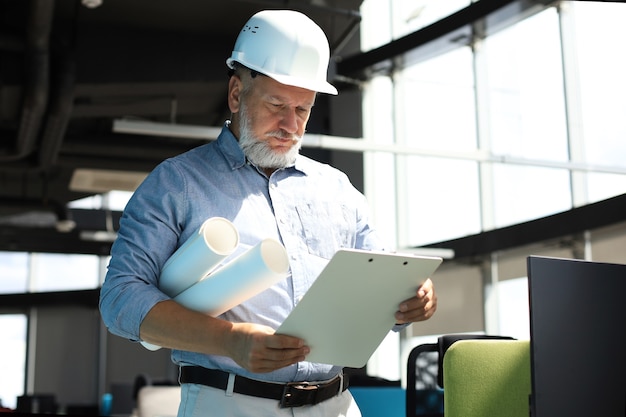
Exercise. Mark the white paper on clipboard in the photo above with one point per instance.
(350, 308)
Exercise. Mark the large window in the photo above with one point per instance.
(436, 112)
(519, 124)
(411, 15)
(62, 272)
(13, 272)
(514, 320)
(524, 83)
(13, 280)
(36, 272)
(39, 272)
(12, 358)
(526, 119)
(596, 32)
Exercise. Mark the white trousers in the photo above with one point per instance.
(202, 401)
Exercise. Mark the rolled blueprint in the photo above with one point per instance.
(247, 275)
(215, 240)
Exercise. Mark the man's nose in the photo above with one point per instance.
(289, 121)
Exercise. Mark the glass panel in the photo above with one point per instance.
(603, 84)
(525, 84)
(117, 200)
(375, 24)
(13, 272)
(438, 103)
(513, 308)
(379, 167)
(603, 186)
(437, 112)
(60, 272)
(91, 202)
(525, 193)
(602, 91)
(444, 199)
(411, 15)
(12, 358)
(114, 200)
(392, 19)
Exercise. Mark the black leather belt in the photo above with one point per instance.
(293, 394)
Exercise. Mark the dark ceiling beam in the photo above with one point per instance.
(141, 154)
(82, 298)
(568, 223)
(138, 106)
(47, 239)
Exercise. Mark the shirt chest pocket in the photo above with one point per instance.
(327, 227)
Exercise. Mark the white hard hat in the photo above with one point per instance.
(287, 46)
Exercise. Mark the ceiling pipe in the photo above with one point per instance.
(36, 67)
(60, 111)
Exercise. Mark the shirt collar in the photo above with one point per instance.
(229, 145)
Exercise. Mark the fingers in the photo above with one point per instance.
(276, 352)
(260, 350)
(419, 308)
(281, 341)
(426, 288)
(271, 359)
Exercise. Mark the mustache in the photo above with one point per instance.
(281, 134)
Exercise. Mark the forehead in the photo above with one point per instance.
(269, 88)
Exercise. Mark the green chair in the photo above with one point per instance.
(487, 378)
(424, 394)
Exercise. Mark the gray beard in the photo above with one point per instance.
(258, 151)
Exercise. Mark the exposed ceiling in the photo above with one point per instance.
(70, 68)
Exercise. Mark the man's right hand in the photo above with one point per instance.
(254, 347)
(258, 349)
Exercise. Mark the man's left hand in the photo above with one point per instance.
(419, 308)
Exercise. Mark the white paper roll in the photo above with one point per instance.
(252, 272)
(215, 240)
(247, 275)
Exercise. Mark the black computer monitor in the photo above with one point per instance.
(577, 338)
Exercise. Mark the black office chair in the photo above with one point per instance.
(424, 387)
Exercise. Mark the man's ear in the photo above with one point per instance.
(235, 85)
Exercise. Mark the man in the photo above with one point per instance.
(252, 175)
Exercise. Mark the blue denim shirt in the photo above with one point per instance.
(311, 208)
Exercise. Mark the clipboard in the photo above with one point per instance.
(350, 308)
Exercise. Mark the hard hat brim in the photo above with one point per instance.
(313, 85)
(320, 86)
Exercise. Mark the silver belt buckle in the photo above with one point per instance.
(297, 394)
